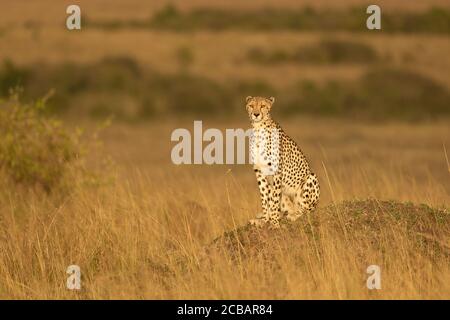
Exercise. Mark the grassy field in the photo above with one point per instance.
(145, 234)
(369, 110)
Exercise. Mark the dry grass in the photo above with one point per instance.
(149, 234)
(145, 235)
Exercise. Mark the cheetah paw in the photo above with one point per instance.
(258, 222)
(274, 226)
(292, 217)
(260, 215)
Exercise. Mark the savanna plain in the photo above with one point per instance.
(369, 111)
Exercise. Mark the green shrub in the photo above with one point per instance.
(36, 150)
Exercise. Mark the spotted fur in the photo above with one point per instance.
(285, 181)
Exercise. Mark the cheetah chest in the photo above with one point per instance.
(264, 151)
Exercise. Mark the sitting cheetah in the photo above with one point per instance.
(286, 183)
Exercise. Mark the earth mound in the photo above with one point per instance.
(363, 225)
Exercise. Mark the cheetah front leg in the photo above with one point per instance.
(275, 201)
(264, 190)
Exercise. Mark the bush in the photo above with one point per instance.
(36, 150)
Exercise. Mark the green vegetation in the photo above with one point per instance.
(326, 51)
(38, 151)
(436, 20)
(380, 94)
(119, 87)
(10, 77)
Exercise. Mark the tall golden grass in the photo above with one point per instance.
(149, 234)
(145, 235)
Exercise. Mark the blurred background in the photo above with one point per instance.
(140, 60)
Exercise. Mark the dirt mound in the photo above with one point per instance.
(363, 224)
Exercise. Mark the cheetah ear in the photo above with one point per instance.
(272, 99)
(248, 99)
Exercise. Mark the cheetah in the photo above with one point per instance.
(285, 181)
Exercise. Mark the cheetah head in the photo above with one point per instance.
(258, 108)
